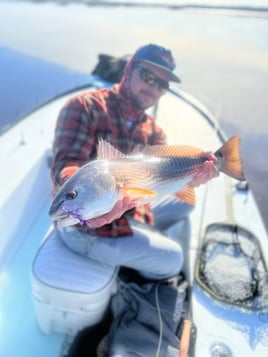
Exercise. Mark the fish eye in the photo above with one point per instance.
(71, 195)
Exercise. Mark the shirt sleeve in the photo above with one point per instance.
(74, 137)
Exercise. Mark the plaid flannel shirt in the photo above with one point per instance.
(105, 114)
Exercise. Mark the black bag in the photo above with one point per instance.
(110, 68)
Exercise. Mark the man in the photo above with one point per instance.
(118, 116)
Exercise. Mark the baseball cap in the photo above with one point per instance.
(159, 57)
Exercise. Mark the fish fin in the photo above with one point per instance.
(171, 151)
(105, 151)
(187, 195)
(137, 150)
(229, 158)
(138, 193)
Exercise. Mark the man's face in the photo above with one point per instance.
(147, 84)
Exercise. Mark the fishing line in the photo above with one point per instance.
(140, 299)
(158, 309)
(160, 321)
(120, 282)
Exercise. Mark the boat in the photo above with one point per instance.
(49, 294)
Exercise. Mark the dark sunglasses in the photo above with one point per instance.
(151, 79)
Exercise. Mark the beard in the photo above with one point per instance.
(143, 99)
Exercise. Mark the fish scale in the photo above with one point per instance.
(145, 175)
(151, 172)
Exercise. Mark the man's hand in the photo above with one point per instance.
(209, 171)
(118, 210)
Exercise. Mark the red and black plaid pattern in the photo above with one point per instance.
(106, 114)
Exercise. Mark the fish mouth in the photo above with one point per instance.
(67, 220)
(64, 218)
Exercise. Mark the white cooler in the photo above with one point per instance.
(70, 292)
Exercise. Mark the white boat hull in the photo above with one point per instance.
(25, 196)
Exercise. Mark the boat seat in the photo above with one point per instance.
(70, 292)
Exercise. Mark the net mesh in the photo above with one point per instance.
(232, 267)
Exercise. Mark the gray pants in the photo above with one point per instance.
(148, 250)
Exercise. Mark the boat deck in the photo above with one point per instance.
(20, 334)
(24, 205)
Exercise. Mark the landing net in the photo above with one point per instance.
(231, 267)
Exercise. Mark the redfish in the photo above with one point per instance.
(144, 175)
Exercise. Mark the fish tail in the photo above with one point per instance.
(229, 159)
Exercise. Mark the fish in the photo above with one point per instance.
(144, 175)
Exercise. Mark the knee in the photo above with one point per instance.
(173, 263)
(176, 261)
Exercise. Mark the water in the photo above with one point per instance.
(27, 81)
(222, 59)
